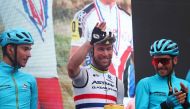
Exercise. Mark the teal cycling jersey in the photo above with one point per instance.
(152, 91)
(17, 90)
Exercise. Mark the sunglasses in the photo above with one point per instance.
(163, 61)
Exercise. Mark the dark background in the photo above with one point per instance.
(156, 19)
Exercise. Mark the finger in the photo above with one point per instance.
(97, 24)
(183, 87)
(178, 93)
(104, 28)
(175, 89)
(182, 101)
(102, 25)
(181, 97)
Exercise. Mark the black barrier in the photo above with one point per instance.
(156, 19)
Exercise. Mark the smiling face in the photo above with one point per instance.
(102, 56)
(164, 64)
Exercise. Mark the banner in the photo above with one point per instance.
(35, 16)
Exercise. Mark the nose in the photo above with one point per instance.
(106, 53)
(29, 54)
(160, 64)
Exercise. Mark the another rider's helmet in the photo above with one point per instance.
(164, 47)
(16, 36)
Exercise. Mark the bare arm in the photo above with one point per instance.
(77, 58)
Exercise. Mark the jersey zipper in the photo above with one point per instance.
(16, 89)
(170, 86)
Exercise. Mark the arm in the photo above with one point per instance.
(77, 58)
(120, 93)
(142, 95)
(188, 76)
(34, 94)
(184, 89)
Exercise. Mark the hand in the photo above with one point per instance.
(171, 100)
(184, 89)
(180, 95)
(98, 33)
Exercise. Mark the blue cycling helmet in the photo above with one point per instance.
(164, 47)
(16, 36)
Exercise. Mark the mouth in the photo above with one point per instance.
(25, 60)
(105, 60)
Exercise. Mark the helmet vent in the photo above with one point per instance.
(157, 47)
(19, 36)
(8, 35)
(25, 34)
(26, 40)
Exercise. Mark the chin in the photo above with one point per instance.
(22, 65)
(162, 74)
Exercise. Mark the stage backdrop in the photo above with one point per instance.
(156, 19)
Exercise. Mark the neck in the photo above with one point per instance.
(109, 3)
(7, 60)
(99, 68)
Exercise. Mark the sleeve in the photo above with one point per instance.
(80, 80)
(186, 105)
(34, 94)
(120, 93)
(188, 76)
(142, 95)
(188, 95)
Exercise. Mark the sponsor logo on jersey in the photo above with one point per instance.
(4, 87)
(159, 93)
(24, 86)
(102, 83)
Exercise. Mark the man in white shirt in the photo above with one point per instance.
(120, 24)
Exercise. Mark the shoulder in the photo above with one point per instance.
(27, 76)
(185, 82)
(85, 11)
(145, 81)
(124, 12)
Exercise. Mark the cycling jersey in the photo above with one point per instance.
(152, 91)
(117, 21)
(17, 90)
(97, 89)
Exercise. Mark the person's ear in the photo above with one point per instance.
(10, 49)
(175, 59)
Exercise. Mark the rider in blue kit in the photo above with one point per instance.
(18, 90)
(163, 90)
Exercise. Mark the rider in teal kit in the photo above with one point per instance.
(163, 90)
(18, 90)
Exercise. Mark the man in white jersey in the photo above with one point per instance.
(94, 86)
(120, 24)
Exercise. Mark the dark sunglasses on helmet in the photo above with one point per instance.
(163, 61)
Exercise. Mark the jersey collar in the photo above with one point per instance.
(6, 67)
(100, 71)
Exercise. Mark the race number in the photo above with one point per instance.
(75, 30)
